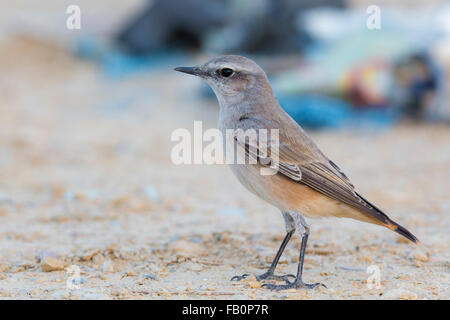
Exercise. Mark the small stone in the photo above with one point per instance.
(254, 284)
(90, 254)
(98, 259)
(101, 277)
(22, 267)
(420, 256)
(225, 237)
(49, 264)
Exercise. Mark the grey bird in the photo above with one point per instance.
(306, 183)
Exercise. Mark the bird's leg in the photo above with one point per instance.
(298, 282)
(269, 274)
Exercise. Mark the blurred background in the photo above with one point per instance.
(86, 116)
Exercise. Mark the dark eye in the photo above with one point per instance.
(226, 72)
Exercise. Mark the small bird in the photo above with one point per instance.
(306, 184)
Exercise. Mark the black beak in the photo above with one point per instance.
(190, 70)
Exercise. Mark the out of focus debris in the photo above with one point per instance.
(254, 26)
(392, 72)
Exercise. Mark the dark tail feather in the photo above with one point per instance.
(402, 231)
(387, 222)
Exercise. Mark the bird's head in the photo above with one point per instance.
(231, 77)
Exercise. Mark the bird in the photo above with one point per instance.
(306, 183)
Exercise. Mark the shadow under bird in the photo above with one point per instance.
(307, 183)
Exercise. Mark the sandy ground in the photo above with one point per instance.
(86, 180)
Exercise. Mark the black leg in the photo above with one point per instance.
(274, 263)
(298, 283)
(269, 274)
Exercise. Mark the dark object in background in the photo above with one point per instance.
(417, 81)
(265, 27)
(261, 26)
(170, 24)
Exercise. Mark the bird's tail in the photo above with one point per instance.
(394, 226)
(381, 218)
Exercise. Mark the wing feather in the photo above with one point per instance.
(324, 177)
(312, 168)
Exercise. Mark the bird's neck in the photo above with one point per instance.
(251, 104)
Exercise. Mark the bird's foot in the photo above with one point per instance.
(271, 276)
(265, 276)
(292, 285)
(239, 278)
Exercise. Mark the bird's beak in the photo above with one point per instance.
(196, 71)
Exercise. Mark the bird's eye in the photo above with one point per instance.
(226, 72)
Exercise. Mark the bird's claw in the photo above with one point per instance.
(264, 276)
(239, 278)
(268, 276)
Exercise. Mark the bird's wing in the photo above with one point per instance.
(312, 168)
(321, 175)
(265, 153)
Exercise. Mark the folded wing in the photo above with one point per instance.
(323, 176)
